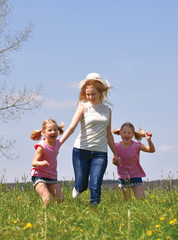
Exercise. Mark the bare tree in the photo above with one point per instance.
(13, 103)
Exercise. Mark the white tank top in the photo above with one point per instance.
(93, 131)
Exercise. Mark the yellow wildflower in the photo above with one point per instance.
(172, 222)
(168, 238)
(170, 209)
(152, 196)
(149, 232)
(15, 221)
(158, 226)
(28, 225)
(162, 218)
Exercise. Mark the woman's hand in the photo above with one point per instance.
(115, 160)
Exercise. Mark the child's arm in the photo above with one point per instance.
(36, 160)
(150, 147)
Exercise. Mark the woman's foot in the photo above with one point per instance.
(75, 194)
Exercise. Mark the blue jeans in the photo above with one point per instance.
(89, 163)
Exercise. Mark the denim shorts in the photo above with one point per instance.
(130, 182)
(37, 179)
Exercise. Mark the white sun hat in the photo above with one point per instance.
(94, 76)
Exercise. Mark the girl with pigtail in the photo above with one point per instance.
(44, 164)
(129, 170)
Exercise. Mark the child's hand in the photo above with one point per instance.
(45, 163)
(148, 135)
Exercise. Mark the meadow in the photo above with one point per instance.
(23, 217)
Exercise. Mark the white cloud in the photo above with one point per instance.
(167, 148)
(53, 103)
(73, 84)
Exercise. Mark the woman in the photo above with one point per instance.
(90, 147)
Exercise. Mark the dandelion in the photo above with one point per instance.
(162, 218)
(149, 232)
(157, 226)
(122, 224)
(168, 238)
(152, 196)
(19, 197)
(172, 222)
(28, 225)
(15, 221)
(170, 209)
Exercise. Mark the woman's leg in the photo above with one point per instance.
(139, 192)
(81, 168)
(56, 192)
(42, 190)
(98, 166)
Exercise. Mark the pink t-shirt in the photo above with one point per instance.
(50, 155)
(129, 160)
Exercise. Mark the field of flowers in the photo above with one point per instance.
(23, 217)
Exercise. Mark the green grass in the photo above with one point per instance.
(22, 216)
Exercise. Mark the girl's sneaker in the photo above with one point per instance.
(75, 194)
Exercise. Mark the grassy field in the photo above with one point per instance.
(22, 216)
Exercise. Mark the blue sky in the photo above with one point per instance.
(133, 44)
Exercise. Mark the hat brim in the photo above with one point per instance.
(105, 83)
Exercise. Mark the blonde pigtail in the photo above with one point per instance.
(117, 131)
(140, 134)
(60, 128)
(36, 135)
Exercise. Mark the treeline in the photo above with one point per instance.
(164, 184)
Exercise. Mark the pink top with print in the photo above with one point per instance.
(50, 155)
(129, 160)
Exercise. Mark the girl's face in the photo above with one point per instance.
(92, 95)
(51, 133)
(127, 135)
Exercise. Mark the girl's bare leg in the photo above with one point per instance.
(42, 190)
(126, 192)
(139, 192)
(56, 192)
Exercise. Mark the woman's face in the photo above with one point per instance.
(92, 95)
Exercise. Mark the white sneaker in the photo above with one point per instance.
(75, 194)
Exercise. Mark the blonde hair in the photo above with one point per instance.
(138, 135)
(103, 90)
(37, 134)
